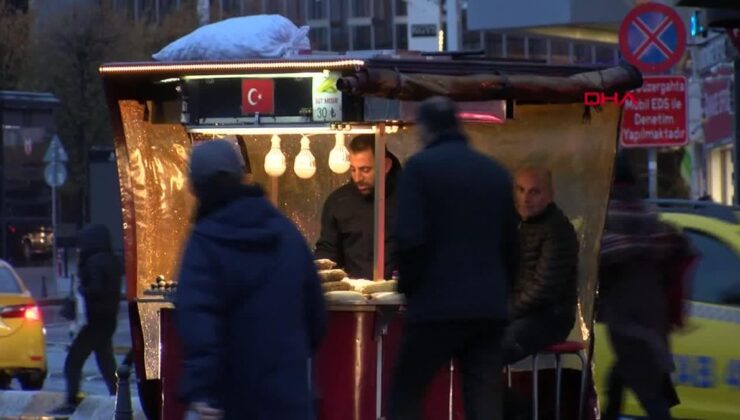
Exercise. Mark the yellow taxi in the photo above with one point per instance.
(706, 351)
(22, 333)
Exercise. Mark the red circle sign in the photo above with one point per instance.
(652, 37)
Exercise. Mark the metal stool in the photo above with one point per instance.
(557, 350)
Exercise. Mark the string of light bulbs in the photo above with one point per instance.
(304, 164)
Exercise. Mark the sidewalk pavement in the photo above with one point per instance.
(36, 405)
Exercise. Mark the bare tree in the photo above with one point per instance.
(67, 51)
(15, 31)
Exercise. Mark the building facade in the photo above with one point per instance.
(350, 25)
(26, 128)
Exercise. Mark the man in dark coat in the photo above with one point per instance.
(100, 274)
(249, 305)
(457, 238)
(543, 300)
(636, 251)
(347, 220)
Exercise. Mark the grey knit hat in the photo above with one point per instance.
(215, 156)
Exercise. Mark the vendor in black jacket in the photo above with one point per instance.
(543, 300)
(347, 220)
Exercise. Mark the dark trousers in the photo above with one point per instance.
(656, 409)
(96, 336)
(526, 336)
(427, 347)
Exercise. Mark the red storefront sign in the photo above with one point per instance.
(718, 115)
(657, 115)
(258, 96)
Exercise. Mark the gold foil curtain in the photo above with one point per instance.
(157, 157)
(579, 154)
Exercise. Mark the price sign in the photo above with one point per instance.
(327, 99)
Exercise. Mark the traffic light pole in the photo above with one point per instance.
(55, 268)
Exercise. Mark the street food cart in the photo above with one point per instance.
(519, 113)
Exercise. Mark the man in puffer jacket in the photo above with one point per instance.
(543, 302)
(100, 286)
(249, 304)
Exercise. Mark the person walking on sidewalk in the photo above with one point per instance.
(100, 273)
(457, 236)
(249, 306)
(638, 254)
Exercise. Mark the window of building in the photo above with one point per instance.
(338, 11)
(362, 8)
(317, 9)
(515, 47)
(26, 198)
(494, 44)
(319, 38)
(361, 38)
(401, 7)
(605, 55)
(294, 11)
(537, 48)
(583, 54)
(382, 21)
(402, 37)
(339, 38)
(559, 52)
(472, 40)
(715, 279)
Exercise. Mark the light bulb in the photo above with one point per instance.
(275, 159)
(339, 156)
(305, 164)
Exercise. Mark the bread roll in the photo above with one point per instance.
(335, 286)
(380, 286)
(358, 284)
(325, 264)
(332, 275)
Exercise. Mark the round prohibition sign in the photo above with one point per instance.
(652, 37)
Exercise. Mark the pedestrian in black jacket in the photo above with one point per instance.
(347, 220)
(249, 305)
(100, 273)
(457, 236)
(543, 300)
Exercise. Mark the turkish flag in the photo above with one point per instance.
(258, 96)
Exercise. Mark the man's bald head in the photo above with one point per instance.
(533, 191)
